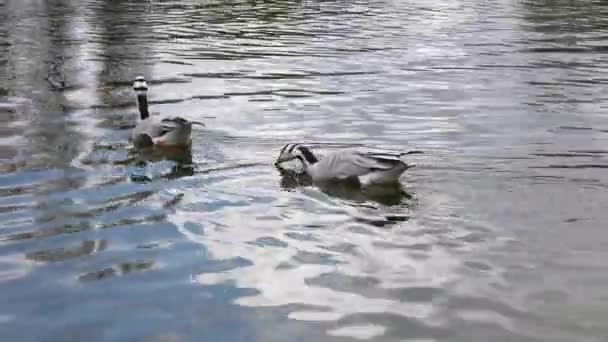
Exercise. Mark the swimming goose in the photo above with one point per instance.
(367, 168)
(159, 131)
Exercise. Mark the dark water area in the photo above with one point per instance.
(501, 236)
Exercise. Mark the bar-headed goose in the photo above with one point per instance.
(368, 168)
(159, 131)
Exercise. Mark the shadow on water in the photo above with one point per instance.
(86, 247)
(120, 269)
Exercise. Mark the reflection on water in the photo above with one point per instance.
(61, 254)
(497, 234)
(182, 165)
(387, 194)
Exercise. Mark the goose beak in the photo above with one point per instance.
(198, 123)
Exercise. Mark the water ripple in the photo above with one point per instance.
(496, 234)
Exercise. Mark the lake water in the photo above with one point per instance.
(500, 234)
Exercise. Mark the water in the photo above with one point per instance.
(501, 236)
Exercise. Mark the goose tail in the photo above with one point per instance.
(410, 152)
(197, 123)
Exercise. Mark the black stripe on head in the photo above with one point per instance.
(291, 148)
(140, 84)
(176, 119)
(310, 158)
(284, 148)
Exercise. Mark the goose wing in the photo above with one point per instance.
(382, 161)
(353, 164)
(171, 123)
(150, 127)
(155, 127)
(174, 122)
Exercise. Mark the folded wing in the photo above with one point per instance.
(353, 164)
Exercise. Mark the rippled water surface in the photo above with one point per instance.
(500, 234)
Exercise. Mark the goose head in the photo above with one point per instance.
(296, 151)
(140, 86)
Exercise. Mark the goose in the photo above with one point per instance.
(158, 131)
(368, 168)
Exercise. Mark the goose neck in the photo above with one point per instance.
(142, 104)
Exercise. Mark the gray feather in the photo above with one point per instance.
(151, 127)
(352, 164)
(157, 127)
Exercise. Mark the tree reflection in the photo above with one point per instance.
(562, 48)
(41, 50)
(126, 41)
(565, 16)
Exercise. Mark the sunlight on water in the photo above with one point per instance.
(496, 234)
